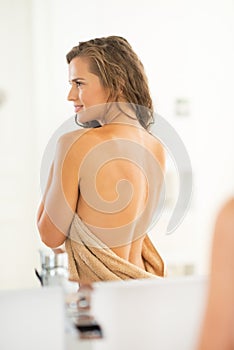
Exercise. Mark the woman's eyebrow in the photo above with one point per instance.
(75, 79)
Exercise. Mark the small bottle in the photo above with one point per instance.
(54, 268)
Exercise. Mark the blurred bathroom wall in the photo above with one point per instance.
(17, 146)
(187, 48)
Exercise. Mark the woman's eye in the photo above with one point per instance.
(78, 83)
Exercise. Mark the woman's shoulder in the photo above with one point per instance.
(70, 139)
(226, 213)
(158, 150)
(225, 221)
(72, 135)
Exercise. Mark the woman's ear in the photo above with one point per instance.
(120, 94)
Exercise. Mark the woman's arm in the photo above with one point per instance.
(218, 328)
(59, 202)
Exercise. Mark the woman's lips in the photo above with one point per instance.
(78, 108)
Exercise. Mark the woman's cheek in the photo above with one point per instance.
(80, 94)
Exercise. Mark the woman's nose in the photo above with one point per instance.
(72, 95)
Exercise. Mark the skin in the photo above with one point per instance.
(67, 174)
(86, 90)
(218, 328)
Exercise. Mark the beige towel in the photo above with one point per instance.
(90, 260)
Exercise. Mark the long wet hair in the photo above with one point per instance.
(119, 69)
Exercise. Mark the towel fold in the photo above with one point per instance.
(90, 260)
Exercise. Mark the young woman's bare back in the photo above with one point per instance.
(129, 157)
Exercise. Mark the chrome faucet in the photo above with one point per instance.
(54, 268)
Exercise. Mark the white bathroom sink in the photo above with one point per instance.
(161, 314)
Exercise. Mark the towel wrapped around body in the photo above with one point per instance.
(90, 260)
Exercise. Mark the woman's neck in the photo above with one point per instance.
(119, 113)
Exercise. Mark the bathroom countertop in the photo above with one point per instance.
(160, 314)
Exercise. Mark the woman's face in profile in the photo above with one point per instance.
(86, 91)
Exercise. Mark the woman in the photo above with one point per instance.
(218, 327)
(104, 184)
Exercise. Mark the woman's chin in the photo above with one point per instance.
(87, 115)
